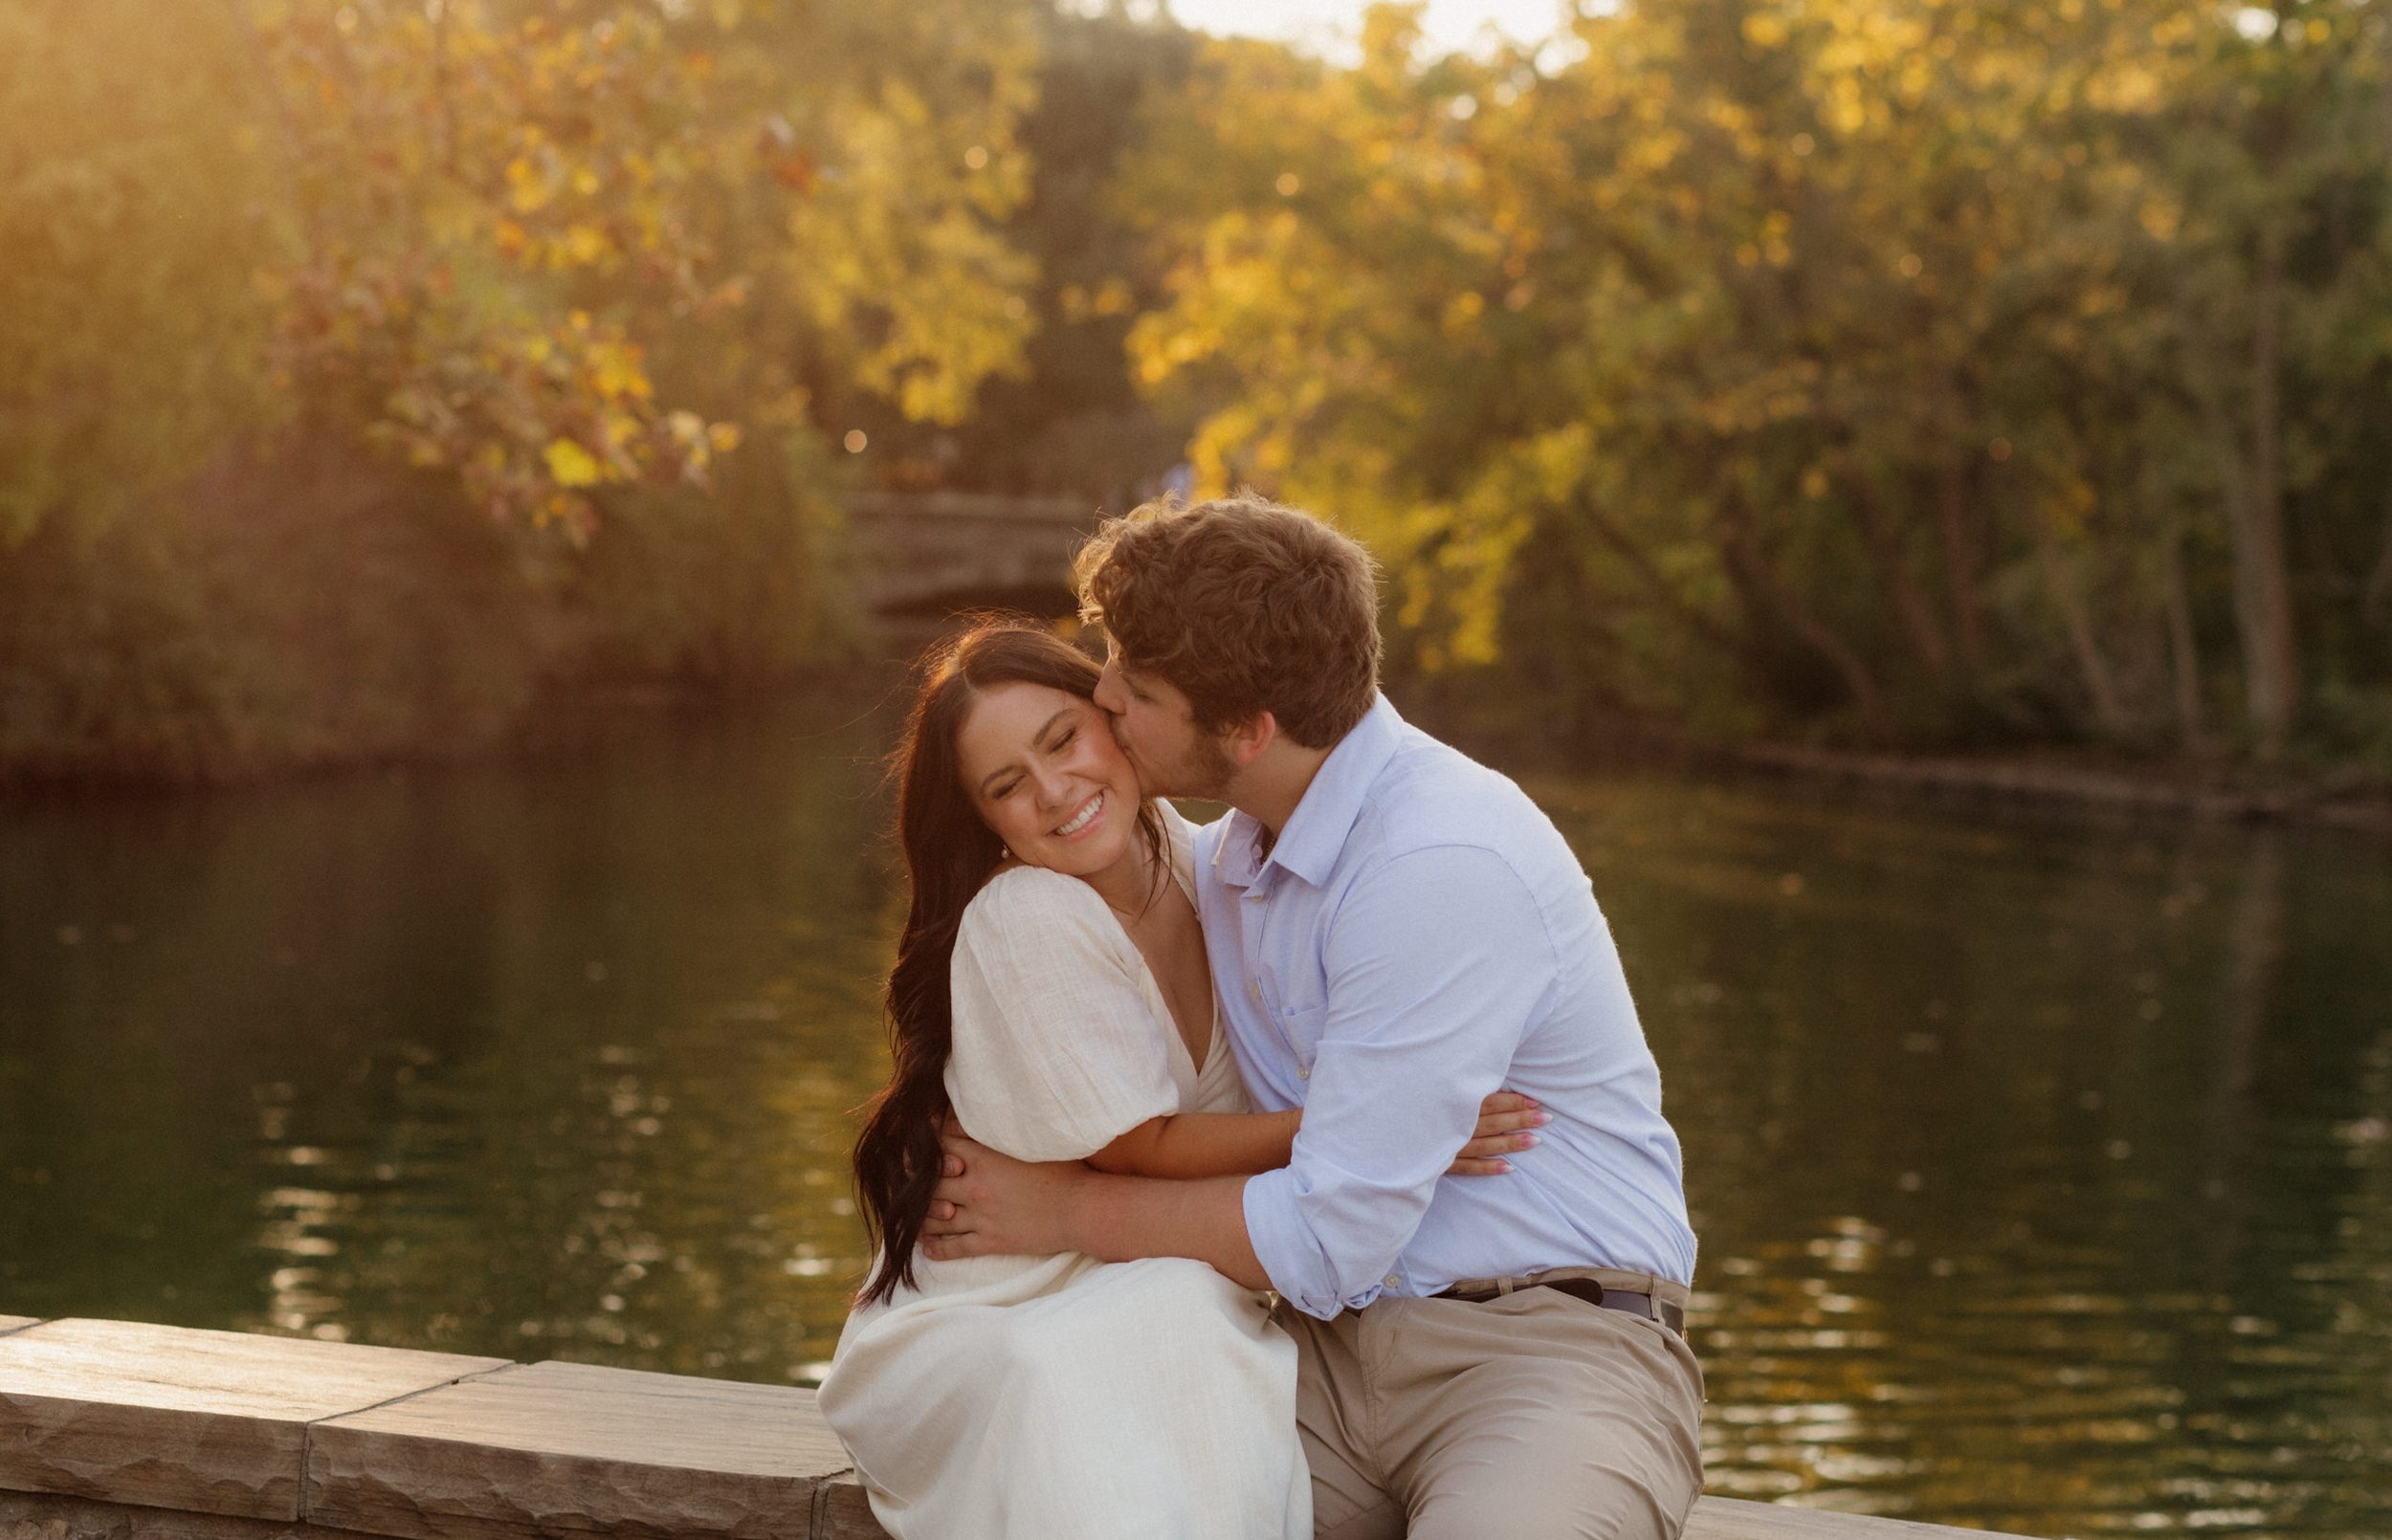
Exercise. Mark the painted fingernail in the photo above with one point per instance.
(1542, 1119)
(1503, 1168)
(1528, 1141)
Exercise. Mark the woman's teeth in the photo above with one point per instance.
(1083, 818)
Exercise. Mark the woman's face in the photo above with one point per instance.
(1041, 766)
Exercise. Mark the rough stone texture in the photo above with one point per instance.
(841, 1511)
(204, 1421)
(574, 1449)
(39, 1516)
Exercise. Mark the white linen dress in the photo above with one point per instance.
(1061, 1398)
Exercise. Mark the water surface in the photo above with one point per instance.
(2043, 1168)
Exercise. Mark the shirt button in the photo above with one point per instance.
(1303, 1071)
(1393, 1280)
(1253, 991)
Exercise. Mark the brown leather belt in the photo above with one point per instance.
(1595, 1293)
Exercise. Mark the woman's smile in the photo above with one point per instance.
(1080, 822)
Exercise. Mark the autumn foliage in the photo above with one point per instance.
(1914, 373)
(1927, 371)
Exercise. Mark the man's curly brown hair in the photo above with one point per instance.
(1245, 606)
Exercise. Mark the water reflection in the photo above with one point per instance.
(2006, 1157)
(540, 1061)
(2041, 1169)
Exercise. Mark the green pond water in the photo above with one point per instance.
(2043, 1168)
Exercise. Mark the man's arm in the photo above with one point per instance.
(1434, 968)
(1022, 1207)
(1188, 1145)
(1435, 963)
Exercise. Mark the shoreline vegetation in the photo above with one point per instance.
(2046, 781)
(1984, 398)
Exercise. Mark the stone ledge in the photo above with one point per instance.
(15, 1323)
(202, 1421)
(111, 1430)
(573, 1448)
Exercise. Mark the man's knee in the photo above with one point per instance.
(1586, 1501)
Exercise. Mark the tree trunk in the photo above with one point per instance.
(1909, 605)
(1751, 571)
(1960, 563)
(2183, 655)
(2063, 579)
(2263, 596)
(2371, 604)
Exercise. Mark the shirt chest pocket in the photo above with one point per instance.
(1302, 1026)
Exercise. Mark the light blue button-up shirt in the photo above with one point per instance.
(1419, 936)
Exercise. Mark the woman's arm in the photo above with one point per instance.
(1184, 1146)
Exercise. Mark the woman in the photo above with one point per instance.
(1051, 990)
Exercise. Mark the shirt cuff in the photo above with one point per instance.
(1290, 1254)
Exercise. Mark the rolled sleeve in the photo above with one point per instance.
(1435, 962)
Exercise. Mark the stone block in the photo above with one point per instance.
(576, 1450)
(843, 1512)
(15, 1323)
(204, 1421)
(38, 1516)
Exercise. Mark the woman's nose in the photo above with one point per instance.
(1052, 788)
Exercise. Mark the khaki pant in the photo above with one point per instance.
(1532, 1416)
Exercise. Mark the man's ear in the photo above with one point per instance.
(1244, 743)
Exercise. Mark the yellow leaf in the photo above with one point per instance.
(526, 188)
(1762, 30)
(570, 465)
(585, 244)
(615, 369)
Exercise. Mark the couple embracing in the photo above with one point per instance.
(1363, 1042)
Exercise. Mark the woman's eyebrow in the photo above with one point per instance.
(1041, 736)
(1038, 740)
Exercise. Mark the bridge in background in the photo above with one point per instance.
(925, 556)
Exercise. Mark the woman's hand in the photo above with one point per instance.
(990, 1204)
(1504, 1120)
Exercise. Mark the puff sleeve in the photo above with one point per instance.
(1057, 1050)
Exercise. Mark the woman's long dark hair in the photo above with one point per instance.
(949, 854)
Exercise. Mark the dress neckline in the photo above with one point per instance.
(1179, 837)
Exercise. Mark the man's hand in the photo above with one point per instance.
(988, 1204)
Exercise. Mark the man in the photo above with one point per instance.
(1396, 932)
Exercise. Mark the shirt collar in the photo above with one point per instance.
(1316, 832)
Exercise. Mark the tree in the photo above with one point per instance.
(1904, 370)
